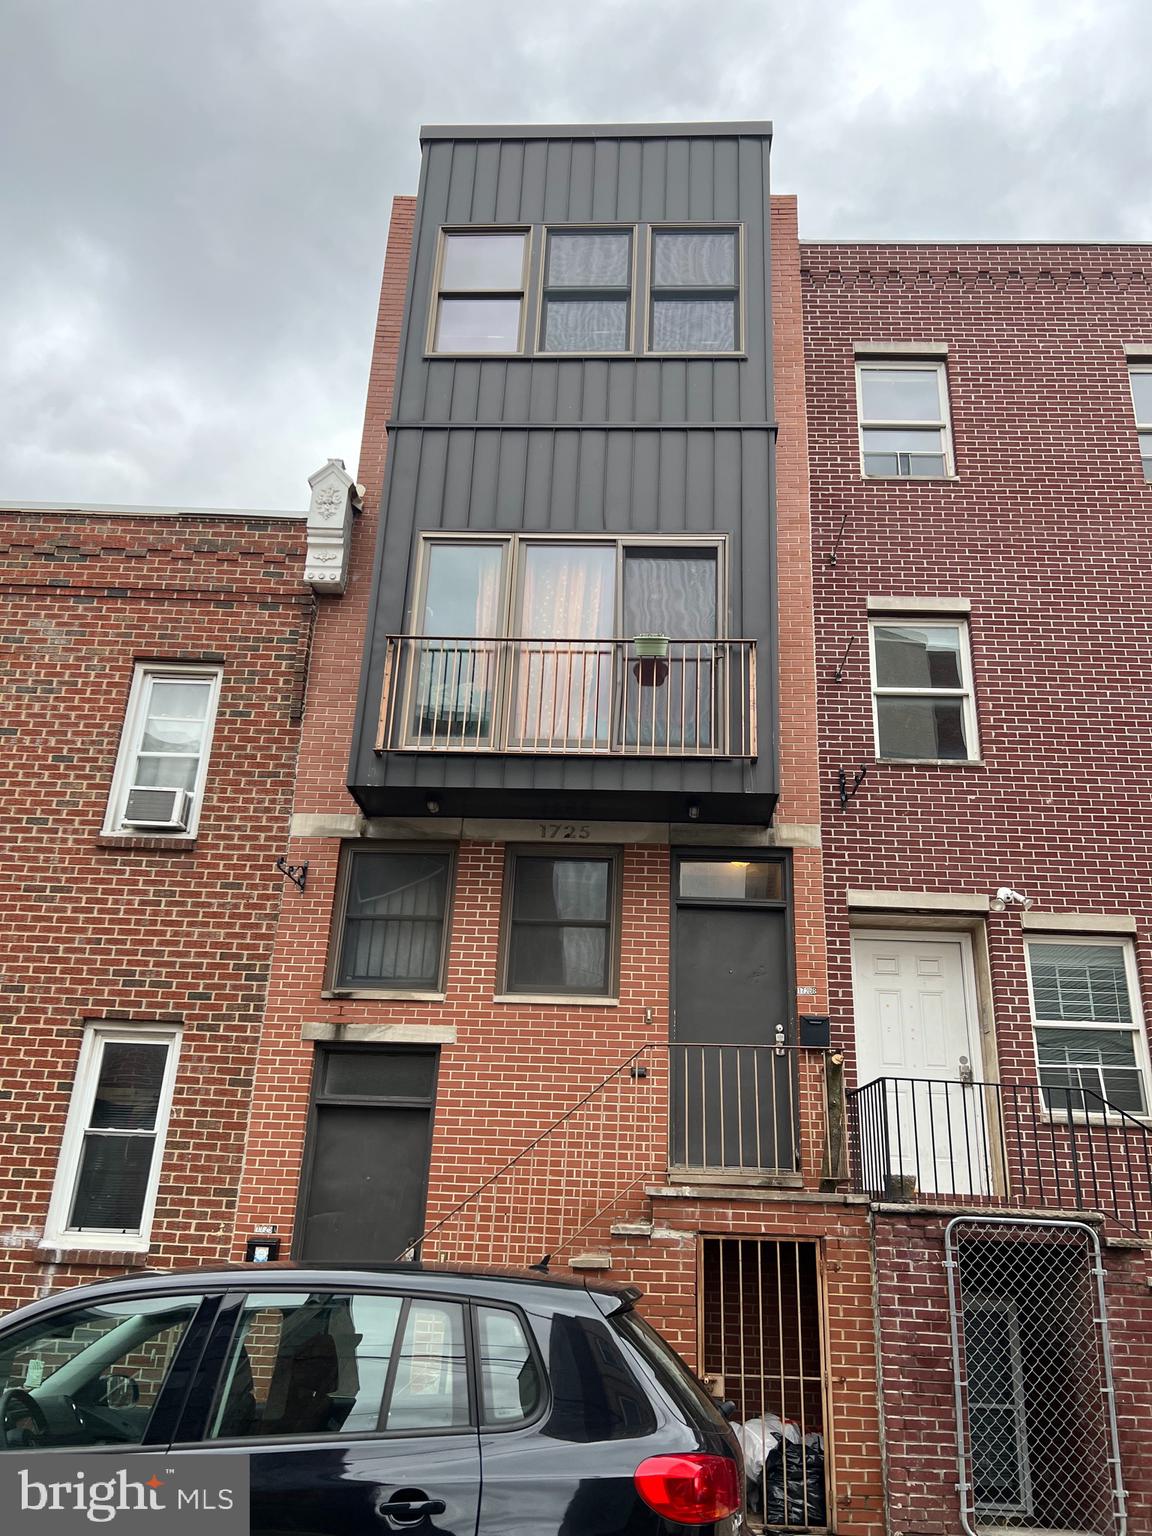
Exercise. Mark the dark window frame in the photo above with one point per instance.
(612, 924)
(735, 291)
(561, 292)
(333, 985)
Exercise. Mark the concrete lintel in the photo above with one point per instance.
(900, 348)
(923, 605)
(328, 824)
(1079, 922)
(1138, 351)
(791, 834)
(397, 1034)
(916, 901)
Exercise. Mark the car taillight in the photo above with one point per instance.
(691, 1489)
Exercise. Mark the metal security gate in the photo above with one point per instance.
(1035, 1409)
(762, 1349)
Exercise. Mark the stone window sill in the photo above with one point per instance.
(92, 1258)
(146, 844)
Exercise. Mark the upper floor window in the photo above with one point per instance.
(1141, 381)
(1090, 1044)
(394, 905)
(903, 413)
(695, 291)
(109, 1167)
(480, 288)
(922, 691)
(586, 305)
(158, 784)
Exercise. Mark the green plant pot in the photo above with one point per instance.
(650, 647)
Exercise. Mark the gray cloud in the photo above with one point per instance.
(196, 196)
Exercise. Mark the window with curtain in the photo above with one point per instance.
(560, 924)
(673, 593)
(695, 291)
(457, 662)
(586, 303)
(563, 663)
(1089, 1034)
(392, 935)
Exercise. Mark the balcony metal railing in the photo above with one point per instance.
(568, 697)
(733, 1109)
(1018, 1145)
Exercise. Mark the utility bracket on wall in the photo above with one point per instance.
(846, 794)
(297, 873)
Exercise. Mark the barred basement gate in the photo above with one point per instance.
(761, 1344)
(1035, 1411)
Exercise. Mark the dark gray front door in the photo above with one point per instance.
(733, 1084)
(367, 1176)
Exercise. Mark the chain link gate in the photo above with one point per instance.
(1035, 1408)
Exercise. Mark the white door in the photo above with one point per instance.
(916, 1030)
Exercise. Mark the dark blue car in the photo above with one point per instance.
(406, 1399)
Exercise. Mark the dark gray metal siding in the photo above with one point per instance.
(622, 445)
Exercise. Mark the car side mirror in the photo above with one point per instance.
(119, 1390)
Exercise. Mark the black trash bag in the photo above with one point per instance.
(791, 1473)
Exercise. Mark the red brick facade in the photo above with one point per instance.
(1042, 529)
(138, 930)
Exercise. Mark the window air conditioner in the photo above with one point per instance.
(159, 810)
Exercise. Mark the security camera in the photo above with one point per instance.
(1006, 896)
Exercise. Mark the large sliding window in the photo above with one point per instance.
(537, 644)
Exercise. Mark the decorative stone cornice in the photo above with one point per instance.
(335, 499)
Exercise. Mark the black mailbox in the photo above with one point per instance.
(816, 1031)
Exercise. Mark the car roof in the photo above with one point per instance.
(489, 1281)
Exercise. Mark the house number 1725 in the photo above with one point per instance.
(565, 831)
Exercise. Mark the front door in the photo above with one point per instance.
(916, 1030)
(366, 1178)
(733, 1084)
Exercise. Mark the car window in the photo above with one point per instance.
(594, 1394)
(90, 1375)
(510, 1385)
(667, 1366)
(307, 1364)
(430, 1390)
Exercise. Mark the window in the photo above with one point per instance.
(922, 691)
(1090, 1042)
(480, 293)
(903, 414)
(302, 1365)
(107, 1361)
(510, 1386)
(526, 644)
(109, 1167)
(159, 780)
(587, 291)
(394, 920)
(1141, 381)
(560, 922)
(695, 291)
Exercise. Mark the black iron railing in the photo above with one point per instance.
(733, 1109)
(1018, 1145)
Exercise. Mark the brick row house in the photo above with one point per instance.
(152, 669)
(697, 878)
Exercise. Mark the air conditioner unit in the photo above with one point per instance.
(159, 810)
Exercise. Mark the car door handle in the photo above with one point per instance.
(411, 1508)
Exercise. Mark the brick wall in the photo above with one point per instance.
(136, 929)
(1043, 529)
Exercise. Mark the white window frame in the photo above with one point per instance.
(145, 674)
(1136, 1027)
(1143, 428)
(96, 1036)
(967, 693)
(875, 362)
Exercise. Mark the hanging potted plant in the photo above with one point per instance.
(650, 647)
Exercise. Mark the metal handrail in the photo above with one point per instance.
(1020, 1145)
(542, 696)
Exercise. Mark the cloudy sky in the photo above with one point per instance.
(196, 192)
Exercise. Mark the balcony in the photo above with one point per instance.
(674, 699)
(1014, 1145)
